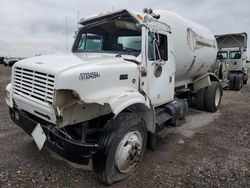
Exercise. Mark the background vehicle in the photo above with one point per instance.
(128, 77)
(231, 60)
(1, 60)
(10, 61)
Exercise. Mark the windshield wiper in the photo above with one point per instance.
(132, 60)
(127, 51)
(123, 52)
(120, 54)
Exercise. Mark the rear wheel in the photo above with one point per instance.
(220, 75)
(122, 145)
(245, 78)
(238, 82)
(231, 81)
(213, 95)
(245, 81)
(199, 99)
(241, 81)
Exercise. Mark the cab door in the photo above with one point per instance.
(160, 67)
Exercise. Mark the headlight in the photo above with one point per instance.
(64, 98)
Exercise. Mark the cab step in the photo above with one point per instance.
(167, 115)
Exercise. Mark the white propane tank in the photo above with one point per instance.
(195, 47)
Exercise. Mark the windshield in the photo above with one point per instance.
(130, 43)
(114, 36)
(222, 55)
(90, 42)
(235, 55)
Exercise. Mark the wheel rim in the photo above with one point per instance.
(217, 97)
(128, 152)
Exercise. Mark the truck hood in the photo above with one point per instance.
(94, 78)
(56, 63)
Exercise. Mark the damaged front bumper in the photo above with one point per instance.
(57, 140)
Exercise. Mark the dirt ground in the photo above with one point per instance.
(208, 150)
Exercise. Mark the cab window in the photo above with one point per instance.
(157, 47)
(235, 55)
(130, 43)
(222, 55)
(90, 42)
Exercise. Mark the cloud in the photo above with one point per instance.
(29, 27)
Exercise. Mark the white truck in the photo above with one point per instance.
(232, 60)
(129, 76)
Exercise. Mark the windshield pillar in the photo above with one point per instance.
(144, 42)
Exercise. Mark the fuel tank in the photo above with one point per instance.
(195, 47)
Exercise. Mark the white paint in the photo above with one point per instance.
(160, 90)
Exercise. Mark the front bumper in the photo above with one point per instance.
(57, 140)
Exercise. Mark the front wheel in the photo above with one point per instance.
(122, 145)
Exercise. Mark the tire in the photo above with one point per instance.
(231, 81)
(126, 133)
(220, 75)
(245, 77)
(199, 99)
(238, 82)
(241, 81)
(152, 141)
(213, 96)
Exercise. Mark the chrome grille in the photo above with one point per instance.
(34, 84)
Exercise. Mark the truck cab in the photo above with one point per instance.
(232, 58)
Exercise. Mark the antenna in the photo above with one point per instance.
(67, 40)
(78, 17)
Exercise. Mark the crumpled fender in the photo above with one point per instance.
(126, 99)
(114, 101)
